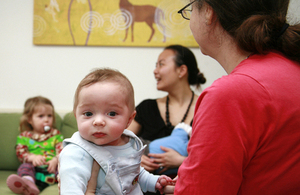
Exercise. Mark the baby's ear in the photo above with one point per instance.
(74, 112)
(131, 118)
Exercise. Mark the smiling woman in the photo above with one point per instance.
(176, 70)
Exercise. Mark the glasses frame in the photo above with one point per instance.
(181, 10)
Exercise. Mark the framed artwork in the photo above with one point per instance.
(139, 23)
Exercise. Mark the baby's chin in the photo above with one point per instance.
(98, 141)
(94, 141)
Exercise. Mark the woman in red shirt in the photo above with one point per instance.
(246, 128)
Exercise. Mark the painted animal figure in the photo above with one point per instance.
(142, 13)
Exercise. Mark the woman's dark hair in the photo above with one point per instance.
(258, 26)
(185, 56)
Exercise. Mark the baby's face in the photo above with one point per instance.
(42, 117)
(102, 113)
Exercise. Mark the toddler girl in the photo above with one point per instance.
(38, 147)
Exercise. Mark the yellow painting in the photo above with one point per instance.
(139, 23)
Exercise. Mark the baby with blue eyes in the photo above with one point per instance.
(104, 107)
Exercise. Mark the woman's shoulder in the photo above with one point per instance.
(234, 88)
(148, 111)
(230, 84)
(152, 104)
(147, 103)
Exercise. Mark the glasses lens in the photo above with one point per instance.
(186, 13)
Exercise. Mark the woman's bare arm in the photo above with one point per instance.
(92, 184)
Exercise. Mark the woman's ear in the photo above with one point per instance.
(210, 16)
(183, 70)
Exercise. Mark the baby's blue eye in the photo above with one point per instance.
(88, 114)
(112, 114)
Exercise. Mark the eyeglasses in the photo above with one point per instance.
(186, 11)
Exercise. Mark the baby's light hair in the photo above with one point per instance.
(29, 109)
(107, 75)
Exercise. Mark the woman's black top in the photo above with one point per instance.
(148, 116)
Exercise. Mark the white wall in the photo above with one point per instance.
(27, 70)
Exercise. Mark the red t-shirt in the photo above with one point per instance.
(246, 132)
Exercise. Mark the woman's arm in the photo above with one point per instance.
(149, 163)
(92, 184)
(170, 159)
(146, 162)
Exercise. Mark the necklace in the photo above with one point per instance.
(169, 125)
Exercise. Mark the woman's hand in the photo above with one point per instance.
(169, 159)
(149, 163)
(52, 165)
(58, 178)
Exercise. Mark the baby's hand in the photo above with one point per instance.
(52, 165)
(163, 181)
(37, 160)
